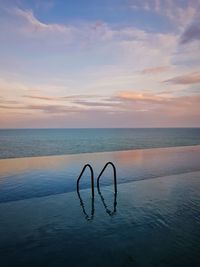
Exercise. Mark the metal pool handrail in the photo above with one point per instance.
(114, 172)
(92, 178)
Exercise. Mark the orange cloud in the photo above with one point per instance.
(145, 97)
(155, 70)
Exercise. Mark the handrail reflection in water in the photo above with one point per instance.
(87, 217)
(109, 212)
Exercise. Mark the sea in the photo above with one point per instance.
(17, 143)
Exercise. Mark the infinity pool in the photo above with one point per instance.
(150, 222)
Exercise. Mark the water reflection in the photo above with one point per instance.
(87, 216)
(90, 216)
(109, 212)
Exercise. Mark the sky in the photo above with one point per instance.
(99, 63)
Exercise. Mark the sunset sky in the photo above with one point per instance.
(99, 63)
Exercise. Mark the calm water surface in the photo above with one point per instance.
(41, 176)
(44, 142)
(153, 220)
(156, 223)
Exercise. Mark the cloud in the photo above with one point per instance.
(108, 104)
(191, 78)
(135, 96)
(10, 107)
(158, 110)
(56, 104)
(80, 33)
(133, 101)
(94, 56)
(122, 109)
(149, 99)
(114, 43)
(179, 13)
(5, 101)
(192, 32)
(70, 98)
(155, 70)
(35, 25)
(40, 97)
(78, 96)
(53, 109)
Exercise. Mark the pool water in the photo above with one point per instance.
(25, 178)
(152, 222)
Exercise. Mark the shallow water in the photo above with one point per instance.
(156, 223)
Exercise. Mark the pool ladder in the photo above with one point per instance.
(92, 178)
(98, 178)
(110, 213)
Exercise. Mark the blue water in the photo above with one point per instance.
(26, 178)
(153, 220)
(42, 142)
(155, 224)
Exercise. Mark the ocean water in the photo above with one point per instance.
(43, 142)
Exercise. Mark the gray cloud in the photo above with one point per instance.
(54, 109)
(191, 33)
(62, 98)
(191, 78)
(39, 97)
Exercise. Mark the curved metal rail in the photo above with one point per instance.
(114, 172)
(92, 178)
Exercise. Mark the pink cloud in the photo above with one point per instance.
(155, 70)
